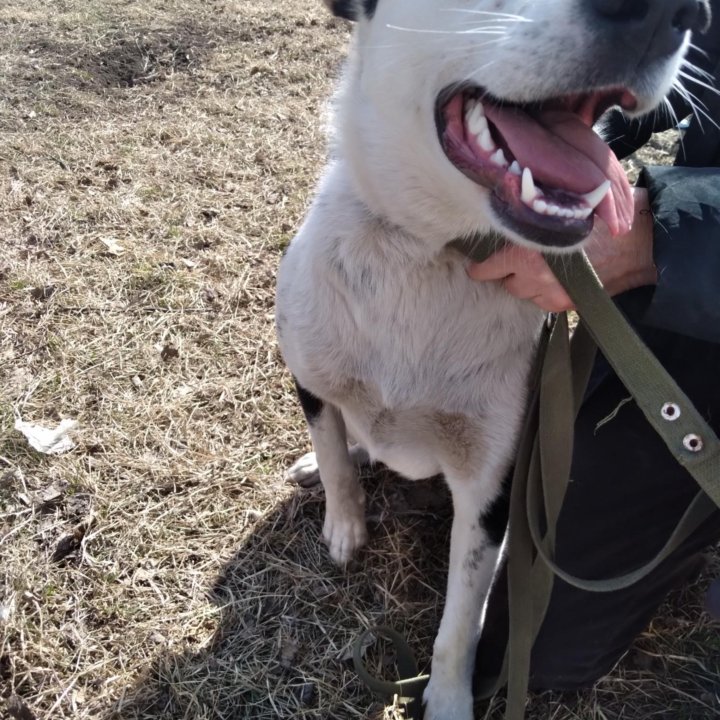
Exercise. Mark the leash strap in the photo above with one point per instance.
(538, 494)
(684, 430)
(409, 689)
(543, 462)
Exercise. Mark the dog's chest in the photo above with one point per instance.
(428, 367)
(430, 370)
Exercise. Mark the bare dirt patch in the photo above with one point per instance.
(155, 159)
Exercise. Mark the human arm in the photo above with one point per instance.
(675, 248)
(621, 262)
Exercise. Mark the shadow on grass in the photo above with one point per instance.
(124, 57)
(289, 616)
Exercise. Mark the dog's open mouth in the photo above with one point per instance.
(548, 171)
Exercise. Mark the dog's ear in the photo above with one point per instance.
(352, 9)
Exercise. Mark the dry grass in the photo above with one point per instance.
(154, 161)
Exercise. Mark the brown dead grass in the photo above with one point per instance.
(155, 159)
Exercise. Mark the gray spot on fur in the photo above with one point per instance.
(474, 558)
(383, 423)
(456, 434)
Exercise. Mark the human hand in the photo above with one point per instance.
(621, 262)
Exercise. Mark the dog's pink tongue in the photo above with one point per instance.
(566, 154)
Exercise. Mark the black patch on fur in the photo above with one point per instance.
(343, 8)
(495, 519)
(311, 405)
(370, 6)
(348, 9)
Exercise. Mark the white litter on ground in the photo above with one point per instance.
(45, 440)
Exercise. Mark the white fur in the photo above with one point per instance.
(421, 366)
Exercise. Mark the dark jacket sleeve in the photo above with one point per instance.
(686, 209)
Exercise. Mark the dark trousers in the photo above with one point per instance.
(625, 497)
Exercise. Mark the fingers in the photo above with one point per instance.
(507, 261)
(525, 275)
(550, 296)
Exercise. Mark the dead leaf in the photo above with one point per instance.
(112, 246)
(17, 709)
(169, 352)
(70, 543)
(42, 293)
(307, 694)
(48, 498)
(288, 651)
(6, 610)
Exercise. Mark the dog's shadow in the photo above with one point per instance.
(289, 616)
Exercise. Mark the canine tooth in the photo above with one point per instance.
(528, 191)
(582, 213)
(515, 168)
(486, 141)
(499, 158)
(594, 197)
(540, 206)
(476, 121)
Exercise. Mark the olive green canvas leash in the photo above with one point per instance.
(543, 462)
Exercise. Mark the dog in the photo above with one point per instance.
(454, 119)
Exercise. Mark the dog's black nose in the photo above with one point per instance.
(661, 24)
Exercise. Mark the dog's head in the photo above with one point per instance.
(470, 116)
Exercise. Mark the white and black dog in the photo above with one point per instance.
(454, 119)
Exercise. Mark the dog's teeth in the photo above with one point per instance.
(499, 158)
(475, 119)
(582, 213)
(515, 168)
(540, 206)
(486, 141)
(567, 213)
(594, 197)
(552, 209)
(528, 192)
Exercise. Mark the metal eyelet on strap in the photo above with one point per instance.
(670, 411)
(693, 442)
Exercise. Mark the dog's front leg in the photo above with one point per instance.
(473, 557)
(344, 529)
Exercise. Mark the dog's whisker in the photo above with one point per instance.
(669, 110)
(698, 50)
(429, 31)
(508, 16)
(692, 99)
(481, 68)
(488, 43)
(691, 67)
(705, 85)
(489, 23)
(697, 106)
(690, 96)
(665, 113)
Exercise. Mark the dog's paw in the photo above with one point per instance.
(305, 471)
(447, 703)
(345, 532)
